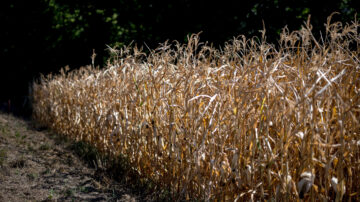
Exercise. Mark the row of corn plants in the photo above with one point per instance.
(249, 121)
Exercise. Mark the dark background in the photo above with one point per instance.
(41, 36)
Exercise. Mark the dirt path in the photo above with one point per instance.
(38, 166)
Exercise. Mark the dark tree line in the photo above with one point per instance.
(41, 36)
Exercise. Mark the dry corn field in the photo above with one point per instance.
(250, 121)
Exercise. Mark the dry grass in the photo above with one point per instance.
(249, 122)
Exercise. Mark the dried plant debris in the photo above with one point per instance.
(230, 123)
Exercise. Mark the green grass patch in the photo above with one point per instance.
(3, 156)
(44, 147)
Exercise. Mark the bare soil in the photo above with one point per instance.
(39, 166)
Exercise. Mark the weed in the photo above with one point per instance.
(87, 152)
(30, 147)
(51, 194)
(3, 156)
(84, 189)
(32, 176)
(4, 129)
(69, 192)
(47, 171)
(17, 134)
(44, 147)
